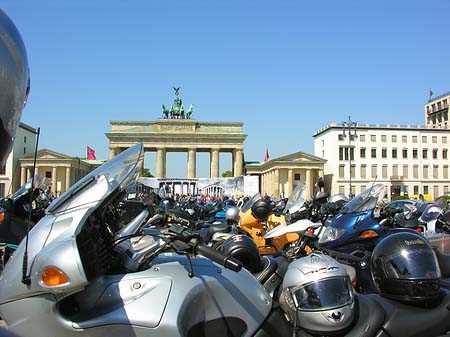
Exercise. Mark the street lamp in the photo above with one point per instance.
(348, 126)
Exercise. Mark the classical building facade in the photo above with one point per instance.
(24, 143)
(437, 112)
(409, 160)
(279, 176)
(61, 171)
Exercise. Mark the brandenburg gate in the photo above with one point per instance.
(177, 132)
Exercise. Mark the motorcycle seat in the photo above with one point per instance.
(408, 320)
(268, 267)
(214, 228)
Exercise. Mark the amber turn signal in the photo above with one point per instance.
(368, 234)
(53, 276)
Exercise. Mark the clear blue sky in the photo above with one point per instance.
(283, 68)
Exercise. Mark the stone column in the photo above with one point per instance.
(160, 163)
(237, 162)
(112, 152)
(23, 176)
(276, 183)
(214, 173)
(67, 178)
(308, 185)
(290, 187)
(191, 163)
(54, 179)
(28, 174)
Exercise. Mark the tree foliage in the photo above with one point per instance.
(227, 174)
(146, 173)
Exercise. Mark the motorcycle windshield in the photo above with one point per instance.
(296, 199)
(366, 200)
(250, 203)
(117, 173)
(39, 182)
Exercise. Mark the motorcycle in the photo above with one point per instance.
(18, 212)
(76, 274)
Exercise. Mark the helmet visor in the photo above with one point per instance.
(324, 294)
(411, 264)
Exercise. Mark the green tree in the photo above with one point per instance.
(227, 174)
(146, 173)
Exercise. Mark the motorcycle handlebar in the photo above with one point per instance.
(226, 261)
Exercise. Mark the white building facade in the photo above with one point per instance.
(409, 160)
(24, 143)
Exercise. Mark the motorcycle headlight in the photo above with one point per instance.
(331, 234)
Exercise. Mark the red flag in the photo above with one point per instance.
(90, 154)
(266, 156)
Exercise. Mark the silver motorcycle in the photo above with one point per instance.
(81, 272)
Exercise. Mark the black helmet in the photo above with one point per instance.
(14, 83)
(243, 249)
(167, 203)
(405, 268)
(261, 209)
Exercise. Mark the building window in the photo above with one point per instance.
(352, 171)
(352, 153)
(445, 172)
(425, 172)
(444, 153)
(297, 176)
(435, 153)
(362, 138)
(2, 190)
(416, 189)
(415, 153)
(341, 153)
(340, 136)
(435, 191)
(395, 171)
(3, 169)
(373, 153)
(425, 189)
(373, 138)
(414, 139)
(363, 188)
(342, 189)
(24, 150)
(416, 172)
(48, 174)
(435, 171)
(384, 153)
(424, 153)
(405, 153)
(394, 138)
(24, 139)
(374, 171)
(383, 138)
(444, 139)
(394, 153)
(362, 152)
(424, 139)
(405, 171)
(445, 189)
(434, 139)
(341, 171)
(404, 139)
(363, 171)
(384, 171)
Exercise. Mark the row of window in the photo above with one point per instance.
(427, 172)
(344, 153)
(394, 138)
(437, 106)
(416, 189)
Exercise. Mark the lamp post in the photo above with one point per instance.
(348, 126)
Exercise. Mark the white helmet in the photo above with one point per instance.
(317, 295)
